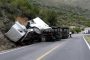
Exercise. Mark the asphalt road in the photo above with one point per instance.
(73, 48)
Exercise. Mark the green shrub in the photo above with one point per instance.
(77, 30)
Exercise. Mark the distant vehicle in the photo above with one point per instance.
(87, 30)
(37, 30)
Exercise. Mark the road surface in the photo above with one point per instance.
(67, 49)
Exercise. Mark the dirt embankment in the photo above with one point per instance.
(5, 43)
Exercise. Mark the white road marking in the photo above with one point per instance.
(48, 52)
(86, 42)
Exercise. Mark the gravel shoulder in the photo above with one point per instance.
(87, 37)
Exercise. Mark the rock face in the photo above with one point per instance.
(5, 43)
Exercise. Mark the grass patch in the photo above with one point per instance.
(87, 37)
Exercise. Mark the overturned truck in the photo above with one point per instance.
(35, 30)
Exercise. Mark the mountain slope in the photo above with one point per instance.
(81, 3)
(68, 13)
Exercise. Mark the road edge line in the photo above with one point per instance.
(86, 42)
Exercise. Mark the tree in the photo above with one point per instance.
(52, 18)
(77, 29)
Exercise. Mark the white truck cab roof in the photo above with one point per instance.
(39, 23)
